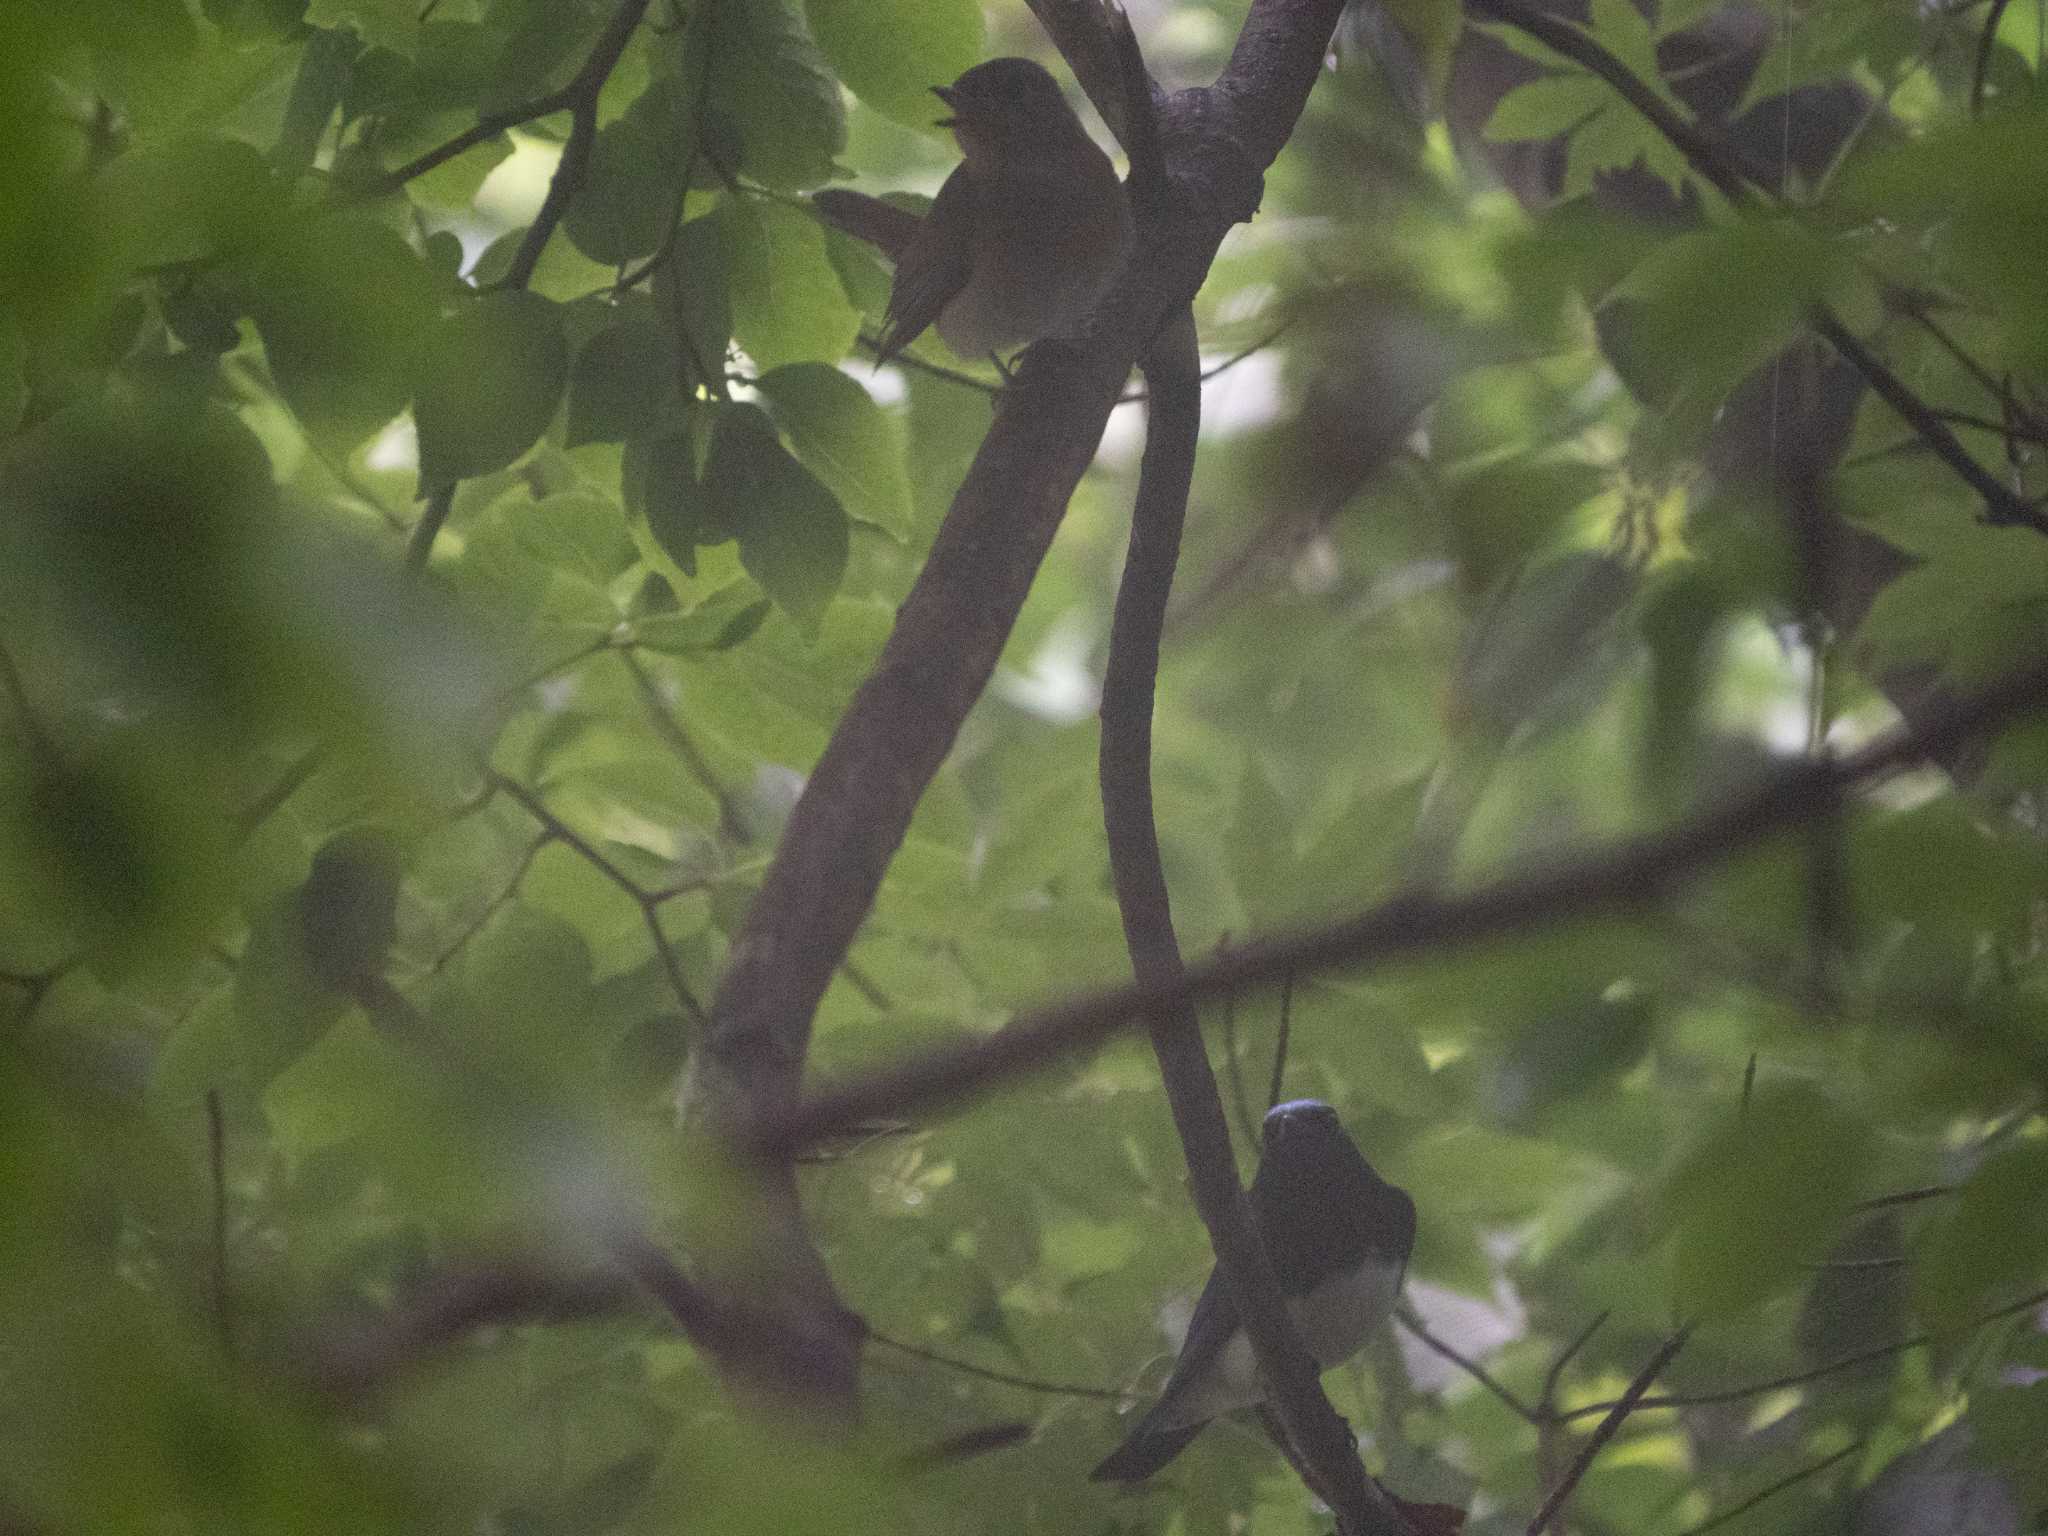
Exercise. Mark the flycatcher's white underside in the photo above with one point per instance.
(1335, 1320)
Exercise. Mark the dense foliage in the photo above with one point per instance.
(444, 511)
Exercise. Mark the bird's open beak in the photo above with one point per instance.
(945, 94)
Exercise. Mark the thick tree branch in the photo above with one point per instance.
(1084, 31)
(948, 633)
(1173, 380)
(1622, 879)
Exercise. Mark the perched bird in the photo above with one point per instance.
(1028, 231)
(1339, 1237)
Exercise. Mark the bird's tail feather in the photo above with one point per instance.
(1144, 1452)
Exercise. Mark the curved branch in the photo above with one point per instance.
(857, 805)
(1173, 380)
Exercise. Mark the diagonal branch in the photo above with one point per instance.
(1621, 879)
(1607, 1428)
(858, 802)
(1173, 379)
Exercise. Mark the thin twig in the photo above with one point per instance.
(421, 543)
(1550, 1430)
(1468, 1365)
(1985, 41)
(1905, 1197)
(492, 907)
(1240, 1100)
(1280, 1041)
(217, 1165)
(1597, 1441)
(1791, 1481)
(661, 715)
(1008, 1379)
(1802, 1378)
(1565, 1357)
(489, 126)
(649, 902)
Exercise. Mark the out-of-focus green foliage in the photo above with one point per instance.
(410, 886)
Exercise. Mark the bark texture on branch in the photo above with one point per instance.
(748, 1065)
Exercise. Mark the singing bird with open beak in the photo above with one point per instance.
(1339, 1236)
(1028, 231)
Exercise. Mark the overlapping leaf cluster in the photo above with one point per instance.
(364, 889)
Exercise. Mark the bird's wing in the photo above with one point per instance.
(931, 270)
(1158, 1437)
(1209, 1331)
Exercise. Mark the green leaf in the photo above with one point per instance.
(324, 69)
(632, 193)
(341, 303)
(392, 24)
(13, 375)
(845, 439)
(721, 621)
(1552, 105)
(1719, 303)
(788, 305)
(663, 472)
(192, 200)
(1624, 31)
(1993, 1246)
(489, 378)
(791, 530)
(891, 52)
(624, 382)
(694, 291)
(765, 77)
(546, 565)
(1762, 1198)
(280, 1006)
(347, 909)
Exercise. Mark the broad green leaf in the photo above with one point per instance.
(489, 378)
(1959, 181)
(13, 376)
(632, 194)
(392, 24)
(193, 200)
(1761, 1199)
(1552, 105)
(661, 474)
(694, 290)
(788, 305)
(891, 52)
(1625, 32)
(765, 78)
(280, 1006)
(1992, 1248)
(791, 530)
(624, 381)
(323, 75)
(546, 565)
(341, 304)
(1719, 303)
(845, 439)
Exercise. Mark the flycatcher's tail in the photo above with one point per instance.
(1144, 1452)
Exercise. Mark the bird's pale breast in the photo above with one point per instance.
(1335, 1320)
